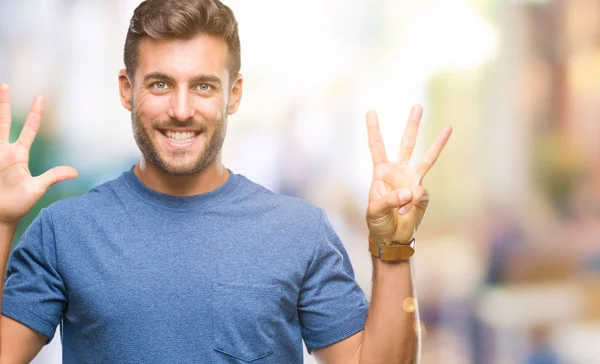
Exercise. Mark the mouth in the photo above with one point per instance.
(180, 138)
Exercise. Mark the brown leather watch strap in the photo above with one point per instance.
(391, 252)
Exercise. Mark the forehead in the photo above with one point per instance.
(183, 58)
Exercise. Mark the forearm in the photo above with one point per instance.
(7, 232)
(389, 336)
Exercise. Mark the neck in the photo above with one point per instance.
(213, 176)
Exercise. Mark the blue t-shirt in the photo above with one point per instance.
(239, 274)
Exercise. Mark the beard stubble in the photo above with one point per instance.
(174, 163)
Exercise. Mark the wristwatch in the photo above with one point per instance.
(390, 252)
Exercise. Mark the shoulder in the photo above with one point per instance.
(262, 200)
(97, 199)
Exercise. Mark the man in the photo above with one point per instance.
(181, 260)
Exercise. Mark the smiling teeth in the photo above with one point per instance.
(180, 137)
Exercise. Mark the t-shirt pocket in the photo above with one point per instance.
(244, 319)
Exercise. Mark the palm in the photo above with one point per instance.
(19, 191)
(18, 194)
(390, 218)
(388, 177)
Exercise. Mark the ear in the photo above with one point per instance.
(125, 90)
(235, 96)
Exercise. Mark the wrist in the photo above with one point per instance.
(391, 252)
(8, 227)
(407, 240)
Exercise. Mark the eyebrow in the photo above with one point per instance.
(196, 79)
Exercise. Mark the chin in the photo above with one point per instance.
(182, 168)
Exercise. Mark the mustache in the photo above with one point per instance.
(176, 124)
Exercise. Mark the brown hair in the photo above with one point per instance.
(182, 19)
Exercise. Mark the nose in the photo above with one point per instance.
(181, 106)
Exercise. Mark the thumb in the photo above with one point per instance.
(53, 176)
(394, 199)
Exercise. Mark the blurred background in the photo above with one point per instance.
(508, 259)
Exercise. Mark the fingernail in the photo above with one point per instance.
(403, 195)
(402, 210)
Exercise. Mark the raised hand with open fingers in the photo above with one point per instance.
(19, 191)
(397, 199)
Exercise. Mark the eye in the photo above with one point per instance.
(160, 85)
(204, 87)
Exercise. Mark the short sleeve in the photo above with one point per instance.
(331, 306)
(34, 292)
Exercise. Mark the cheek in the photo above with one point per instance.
(151, 107)
(210, 109)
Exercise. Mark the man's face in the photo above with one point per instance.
(179, 99)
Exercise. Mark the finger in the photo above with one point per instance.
(409, 139)
(432, 154)
(32, 124)
(375, 140)
(394, 199)
(53, 176)
(4, 113)
(420, 196)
